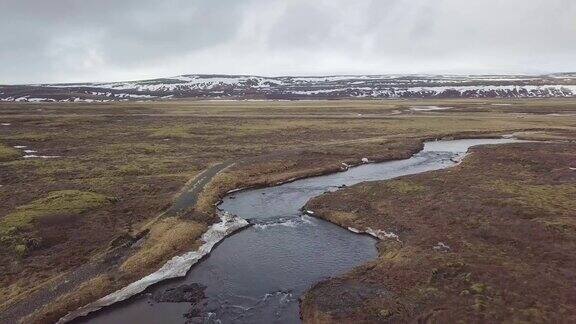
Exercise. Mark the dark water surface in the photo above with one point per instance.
(258, 274)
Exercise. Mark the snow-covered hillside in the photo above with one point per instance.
(294, 88)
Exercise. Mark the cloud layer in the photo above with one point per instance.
(71, 40)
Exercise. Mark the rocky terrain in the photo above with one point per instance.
(297, 88)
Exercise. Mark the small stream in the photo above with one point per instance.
(258, 274)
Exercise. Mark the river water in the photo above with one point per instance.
(258, 274)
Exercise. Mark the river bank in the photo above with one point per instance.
(488, 240)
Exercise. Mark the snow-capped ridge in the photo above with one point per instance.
(238, 87)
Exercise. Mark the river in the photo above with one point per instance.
(257, 275)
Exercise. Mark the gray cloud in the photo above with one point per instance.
(72, 40)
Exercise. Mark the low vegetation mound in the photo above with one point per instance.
(17, 228)
(7, 153)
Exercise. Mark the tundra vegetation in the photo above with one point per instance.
(490, 240)
(114, 168)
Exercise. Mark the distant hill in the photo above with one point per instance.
(297, 88)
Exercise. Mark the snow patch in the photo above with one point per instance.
(379, 234)
(285, 181)
(235, 190)
(429, 108)
(33, 156)
(382, 235)
(442, 247)
(40, 100)
(357, 86)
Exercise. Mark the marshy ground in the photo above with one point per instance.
(80, 183)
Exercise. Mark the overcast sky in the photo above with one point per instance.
(101, 40)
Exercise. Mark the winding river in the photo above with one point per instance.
(257, 275)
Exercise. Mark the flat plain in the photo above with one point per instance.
(80, 184)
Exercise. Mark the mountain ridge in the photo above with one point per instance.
(240, 87)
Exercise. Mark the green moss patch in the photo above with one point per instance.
(57, 203)
(549, 198)
(7, 153)
(405, 187)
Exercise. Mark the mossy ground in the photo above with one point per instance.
(405, 187)
(508, 218)
(17, 229)
(65, 202)
(8, 153)
(143, 154)
(558, 198)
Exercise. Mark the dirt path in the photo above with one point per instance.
(110, 259)
(189, 195)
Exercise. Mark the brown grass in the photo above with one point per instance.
(89, 291)
(167, 238)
